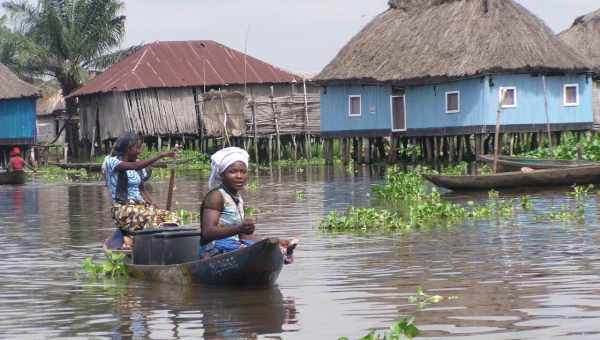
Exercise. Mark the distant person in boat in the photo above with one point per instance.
(16, 162)
(224, 225)
(133, 208)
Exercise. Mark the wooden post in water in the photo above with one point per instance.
(497, 135)
(367, 150)
(294, 148)
(547, 113)
(394, 143)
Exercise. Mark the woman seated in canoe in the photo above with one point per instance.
(16, 162)
(224, 226)
(133, 208)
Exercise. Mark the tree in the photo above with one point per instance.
(63, 39)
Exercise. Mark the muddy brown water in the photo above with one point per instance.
(514, 279)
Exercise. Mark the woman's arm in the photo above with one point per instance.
(139, 165)
(211, 231)
(145, 194)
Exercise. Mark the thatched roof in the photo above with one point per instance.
(584, 37)
(11, 87)
(427, 41)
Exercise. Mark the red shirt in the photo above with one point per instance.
(17, 164)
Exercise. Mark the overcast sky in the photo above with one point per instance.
(297, 35)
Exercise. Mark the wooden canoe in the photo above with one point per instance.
(508, 163)
(15, 177)
(258, 265)
(539, 178)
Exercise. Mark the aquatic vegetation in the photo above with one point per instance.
(401, 186)
(569, 147)
(404, 203)
(422, 299)
(461, 168)
(364, 219)
(113, 266)
(252, 186)
(188, 217)
(581, 192)
(300, 195)
(406, 328)
(51, 174)
(403, 329)
(526, 203)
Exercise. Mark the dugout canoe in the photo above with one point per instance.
(258, 265)
(508, 163)
(517, 179)
(14, 177)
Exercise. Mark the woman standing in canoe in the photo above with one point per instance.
(133, 208)
(224, 226)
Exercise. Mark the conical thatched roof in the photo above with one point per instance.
(12, 87)
(424, 41)
(584, 37)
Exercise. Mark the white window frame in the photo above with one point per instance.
(505, 88)
(350, 105)
(392, 112)
(576, 86)
(458, 106)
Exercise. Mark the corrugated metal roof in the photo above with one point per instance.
(12, 87)
(183, 64)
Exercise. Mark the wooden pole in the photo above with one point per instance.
(307, 127)
(276, 118)
(547, 113)
(171, 188)
(497, 135)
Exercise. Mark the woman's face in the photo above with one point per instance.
(134, 151)
(235, 176)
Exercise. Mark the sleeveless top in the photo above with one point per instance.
(232, 214)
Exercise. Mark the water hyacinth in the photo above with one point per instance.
(405, 203)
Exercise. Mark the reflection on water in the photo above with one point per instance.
(513, 280)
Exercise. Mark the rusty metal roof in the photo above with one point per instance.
(11, 87)
(183, 64)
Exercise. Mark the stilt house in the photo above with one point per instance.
(17, 113)
(438, 68)
(159, 90)
(584, 37)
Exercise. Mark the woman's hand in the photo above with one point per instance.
(169, 154)
(247, 227)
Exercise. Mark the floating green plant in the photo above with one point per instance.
(406, 329)
(113, 266)
(252, 186)
(300, 195)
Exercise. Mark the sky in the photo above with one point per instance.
(297, 35)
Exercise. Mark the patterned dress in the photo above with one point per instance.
(135, 214)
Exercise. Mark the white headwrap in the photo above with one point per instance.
(221, 160)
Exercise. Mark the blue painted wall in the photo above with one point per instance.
(530, 100)
(17, 119)
(426, 105)
(375, 108)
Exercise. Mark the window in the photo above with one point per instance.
(508, 97)
(354, 106)
(453, 102)
(571, 95)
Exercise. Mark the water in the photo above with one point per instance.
(511, 280)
